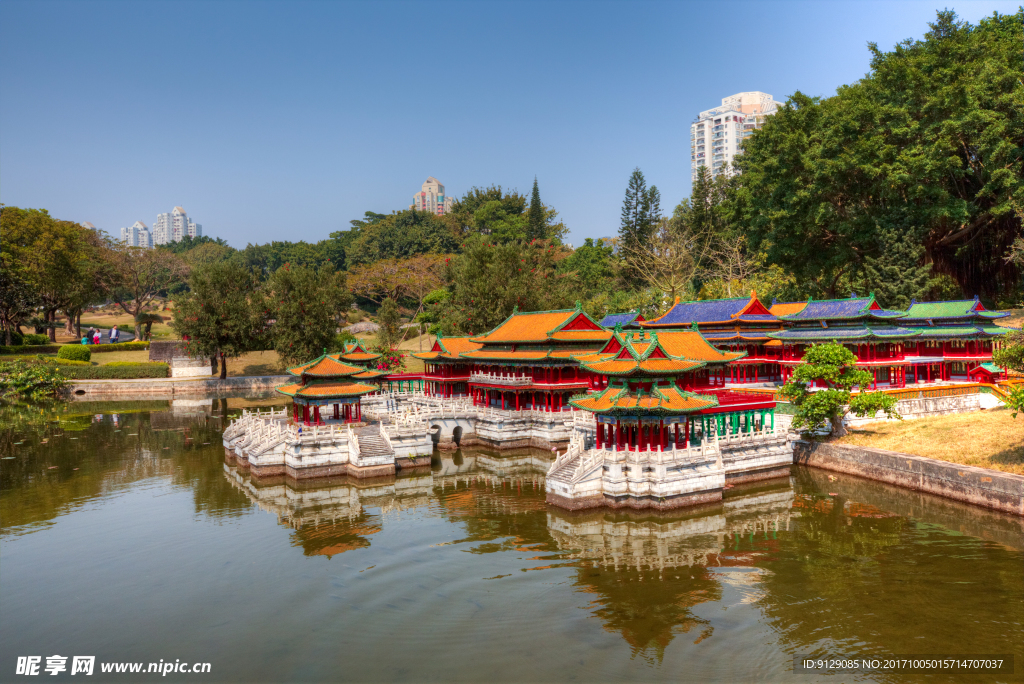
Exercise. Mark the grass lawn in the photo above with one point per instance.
(104, 358)
(256, 363)
(989, 439)
(1014, 320)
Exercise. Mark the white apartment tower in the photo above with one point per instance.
(137, 235)
(431, 198)
(173, 226)
(716, 137)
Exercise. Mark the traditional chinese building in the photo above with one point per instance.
(446, 373)
(876, 336)
(735, 325)
(658, 443)
(327, 385)
(955, 339)
(527, 362)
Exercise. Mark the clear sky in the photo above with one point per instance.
(283, 121)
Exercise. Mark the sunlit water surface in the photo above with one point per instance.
(126, 535)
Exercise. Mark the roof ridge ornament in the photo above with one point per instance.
(579, 306)
(515, 309)
(693, 326)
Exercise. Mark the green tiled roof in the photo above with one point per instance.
(961, 308)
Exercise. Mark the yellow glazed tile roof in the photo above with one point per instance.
(581, 335)
(787, 308)
(668, 399)
(526, 327)
(690, 344)
(324, 390)
(326, 366)
(512, 355)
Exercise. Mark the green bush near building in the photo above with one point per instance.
(75, 352)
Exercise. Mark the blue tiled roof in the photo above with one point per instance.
(623, 319)
(708, 311)
(731, 335)
(860, 332)
(757, 318)
(832, 309)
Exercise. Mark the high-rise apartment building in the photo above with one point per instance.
(716, 137)
(431, 198)
(173, 226)
(137, 235)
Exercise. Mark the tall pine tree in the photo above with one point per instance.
(536, 224)
(637, 227)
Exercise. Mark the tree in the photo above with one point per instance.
(389, 334)
(635, 228)
(594, 266)
(488, 281)
(134, 276)
(897, 275)
(17, 300)
(395, 279)
(305, 305)
(222, 315)
(54, 257)
(536, 223)
(669, 261)
(401, 235)
(929, 139)
(835, 366)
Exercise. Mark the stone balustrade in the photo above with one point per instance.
(495, 379)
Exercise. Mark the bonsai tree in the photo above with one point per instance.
(835, 366)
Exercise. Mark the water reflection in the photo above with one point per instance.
(811, 563)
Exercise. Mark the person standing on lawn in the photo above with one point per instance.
(96, 336)
(115, 335)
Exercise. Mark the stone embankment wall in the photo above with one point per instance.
(149, 389)
(932, 406)
(979, 486)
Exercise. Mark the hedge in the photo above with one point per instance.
(35, 340)
(55, 348)
(122, 370)
(75, 352)
(39, 358)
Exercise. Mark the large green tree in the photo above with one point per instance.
(401, 235)
(306, 306)
(929, 140)
(488, 280)
(56, 258)
(223, 314)
(834, 366)
(536, 223)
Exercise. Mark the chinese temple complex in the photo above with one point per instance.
(446, 373)
(956, 339)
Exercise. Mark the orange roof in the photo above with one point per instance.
(664, 399)
(326, 389)
(512, 355)
(358, 356)
(539, 326)
(448, 348)
(690, 344)
(369, 373)
(787, 308)
(324, 367)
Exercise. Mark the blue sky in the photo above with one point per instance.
(283, 121)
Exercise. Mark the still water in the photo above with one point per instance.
(126, 536)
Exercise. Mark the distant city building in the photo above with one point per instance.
(716, 137)
(137, 235)
(173, 226)
(431, 198)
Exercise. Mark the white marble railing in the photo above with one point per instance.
(495, 379)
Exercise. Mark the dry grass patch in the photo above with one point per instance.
(255, 364)
(988, 439)
(104, 358)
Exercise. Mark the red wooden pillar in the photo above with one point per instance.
(600, 435)
(359, 411)
(677, 436)
(517, 401)
(305, 415)
(336, 409)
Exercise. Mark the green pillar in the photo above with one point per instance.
(772, 414)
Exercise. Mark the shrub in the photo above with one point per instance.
(17, 339)
(31, 381)
(39, 358)
(30, 349)
(36, 340)
(119, 370)
(75, 352)
(120, 346)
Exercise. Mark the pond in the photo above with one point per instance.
(126, 536)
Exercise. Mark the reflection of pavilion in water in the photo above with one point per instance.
(329, 515)
(648, 573)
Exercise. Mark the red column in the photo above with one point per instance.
(517, 401)
(305, 415)
(359, 411)
(677, 436)
(336, 408)
(600, 435)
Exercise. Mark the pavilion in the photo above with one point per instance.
(328, 382)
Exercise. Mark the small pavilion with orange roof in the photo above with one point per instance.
(446, 373)
(328, 382)
(527, 361)
(356, 354)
